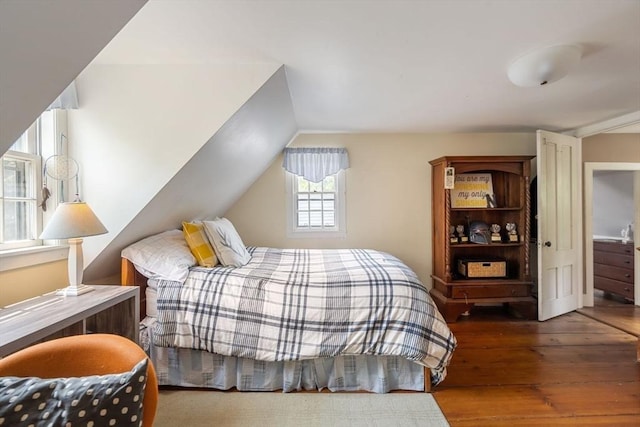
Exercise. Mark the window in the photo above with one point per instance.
(21, 171)
(316, 209)
(19, 200)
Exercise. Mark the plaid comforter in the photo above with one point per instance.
(294, 304)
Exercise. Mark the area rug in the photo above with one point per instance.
(184, 408)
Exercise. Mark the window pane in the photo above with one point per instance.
(303, 201)
(315, 205)
(328, 205)
(315, 218)
(316, 201)
(303, 184)
(315, 187)
(329, 218)
(303, 219)
(16, 179)
(21, 144)
(329, 183)
(18, 217)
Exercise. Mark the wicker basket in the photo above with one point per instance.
(482, 268)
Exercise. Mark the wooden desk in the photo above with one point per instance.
(108, 309)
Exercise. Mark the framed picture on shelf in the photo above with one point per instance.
(473, 190)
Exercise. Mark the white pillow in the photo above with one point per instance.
(226, 242)
(162, 256)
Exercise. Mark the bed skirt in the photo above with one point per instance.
(197, 368)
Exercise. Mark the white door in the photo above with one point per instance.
(559, 224)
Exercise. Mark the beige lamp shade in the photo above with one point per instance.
(71, 220)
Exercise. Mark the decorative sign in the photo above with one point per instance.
(473, 190)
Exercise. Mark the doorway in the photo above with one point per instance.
(589, 170)
(608, 307)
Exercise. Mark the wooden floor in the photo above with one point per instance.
(614, 311)
(571, 370)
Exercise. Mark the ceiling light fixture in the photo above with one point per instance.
(544, 66)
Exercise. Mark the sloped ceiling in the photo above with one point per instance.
(408, 66)
(358, 66)
(217, 175)
(44, 45)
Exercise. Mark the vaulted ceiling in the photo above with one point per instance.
(407, 66)
(355, 66)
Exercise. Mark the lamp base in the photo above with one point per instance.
(74, 291)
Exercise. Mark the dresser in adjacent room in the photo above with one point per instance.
(613, 267)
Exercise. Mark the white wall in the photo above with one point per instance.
(138, 125)
(613, 207)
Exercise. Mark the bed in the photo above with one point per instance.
(293, 319)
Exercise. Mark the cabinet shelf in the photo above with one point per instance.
(486, 209)
(473, 282)
(454, 294)
(477, 245)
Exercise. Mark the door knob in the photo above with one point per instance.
(547, 244)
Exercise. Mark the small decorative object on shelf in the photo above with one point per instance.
(512, 232)
(491, 200)
(452, 234)
(495, 233)
(449, 178)
(627, 234)
(479, 232)
(461, 236)
(482, 268)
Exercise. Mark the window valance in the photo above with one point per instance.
(315, 164)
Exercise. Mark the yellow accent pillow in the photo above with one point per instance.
(199, 244)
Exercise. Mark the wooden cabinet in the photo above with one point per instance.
(454, 293)
(613, 267)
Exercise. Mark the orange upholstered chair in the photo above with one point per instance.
(84, 355)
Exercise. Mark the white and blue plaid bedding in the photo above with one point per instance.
(297, 304)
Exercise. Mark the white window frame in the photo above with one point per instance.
(339, 231)
(33, 252)
(35, 162)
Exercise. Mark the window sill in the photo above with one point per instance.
(317, 235)
(27, 257)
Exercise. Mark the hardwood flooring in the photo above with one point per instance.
(614, 311)
(571, 370)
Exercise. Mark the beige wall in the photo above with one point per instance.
(611, 147)
(388, 192)
(23, 283)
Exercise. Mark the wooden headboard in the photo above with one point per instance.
(131, 277)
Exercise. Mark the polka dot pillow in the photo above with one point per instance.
(99, 400)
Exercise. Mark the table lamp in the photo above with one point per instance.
(72, 221)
